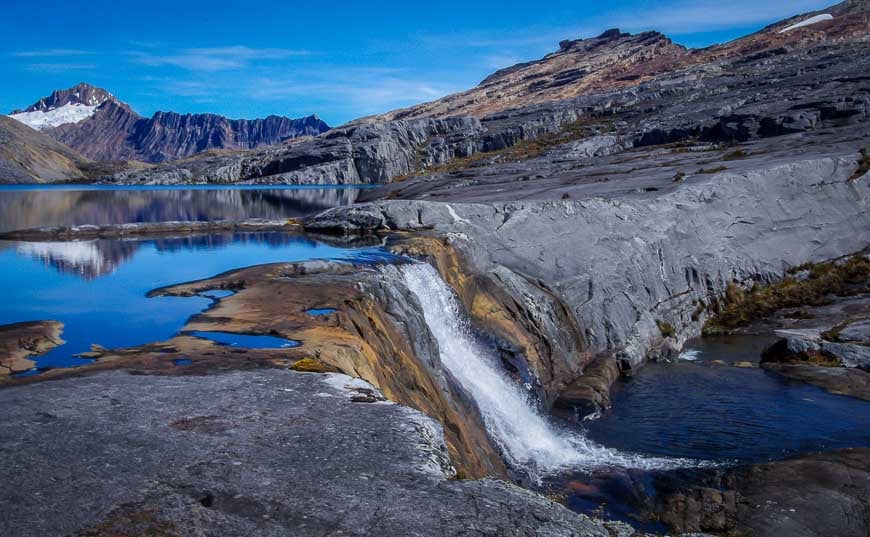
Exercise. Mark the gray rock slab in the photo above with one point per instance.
(263, 452)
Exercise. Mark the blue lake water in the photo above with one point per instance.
(97, 288)
(707, 411)
(320, 311)
(248, 341)
(701, 410)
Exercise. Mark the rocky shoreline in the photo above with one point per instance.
(20, 341)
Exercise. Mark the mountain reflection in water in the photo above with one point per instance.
(23, 208)
(94, 258)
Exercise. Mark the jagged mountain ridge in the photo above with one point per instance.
(101, 127)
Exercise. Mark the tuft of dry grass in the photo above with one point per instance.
(666, 328)
(863, 164)
(737, 154)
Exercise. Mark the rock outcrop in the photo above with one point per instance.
(20, 341)
(812, 346)
(27, 156)
(616, 60)
(835, 355)
(811, 496)
(626, 267)
(356, 154)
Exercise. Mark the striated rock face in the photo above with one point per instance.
(101, 127)
(625, 266)
(169, 136)
(613, 59)
(354, 154)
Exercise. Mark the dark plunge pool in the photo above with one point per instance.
(714, 407)
(711, 409)
(97, 288)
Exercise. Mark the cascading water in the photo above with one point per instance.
(526, 438)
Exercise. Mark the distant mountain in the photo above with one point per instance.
(99, 126)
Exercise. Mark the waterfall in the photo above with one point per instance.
(525, 436)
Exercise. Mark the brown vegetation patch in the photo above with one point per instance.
(741, 307)
(863, 165)
(522, 150)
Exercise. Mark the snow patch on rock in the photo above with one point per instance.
(812, 20)
(62, 115)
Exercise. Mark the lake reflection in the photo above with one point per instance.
(98, 288)
(28, 207)
(89, 259)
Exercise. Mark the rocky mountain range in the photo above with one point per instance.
(101, 127)
(608, 94)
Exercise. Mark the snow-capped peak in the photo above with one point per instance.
(62, 107)
(54, 117)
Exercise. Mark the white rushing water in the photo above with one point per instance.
(512, 419)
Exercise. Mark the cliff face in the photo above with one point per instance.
(105, 135)
(169, 136)
(101, 127)
(604, 95)
(613, 59)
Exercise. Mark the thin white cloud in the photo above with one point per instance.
(52, 52)
(214, 58)
(676, 18)
(364, 90)
(58, 67)
(499, 61)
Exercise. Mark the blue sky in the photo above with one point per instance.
(338, 59)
